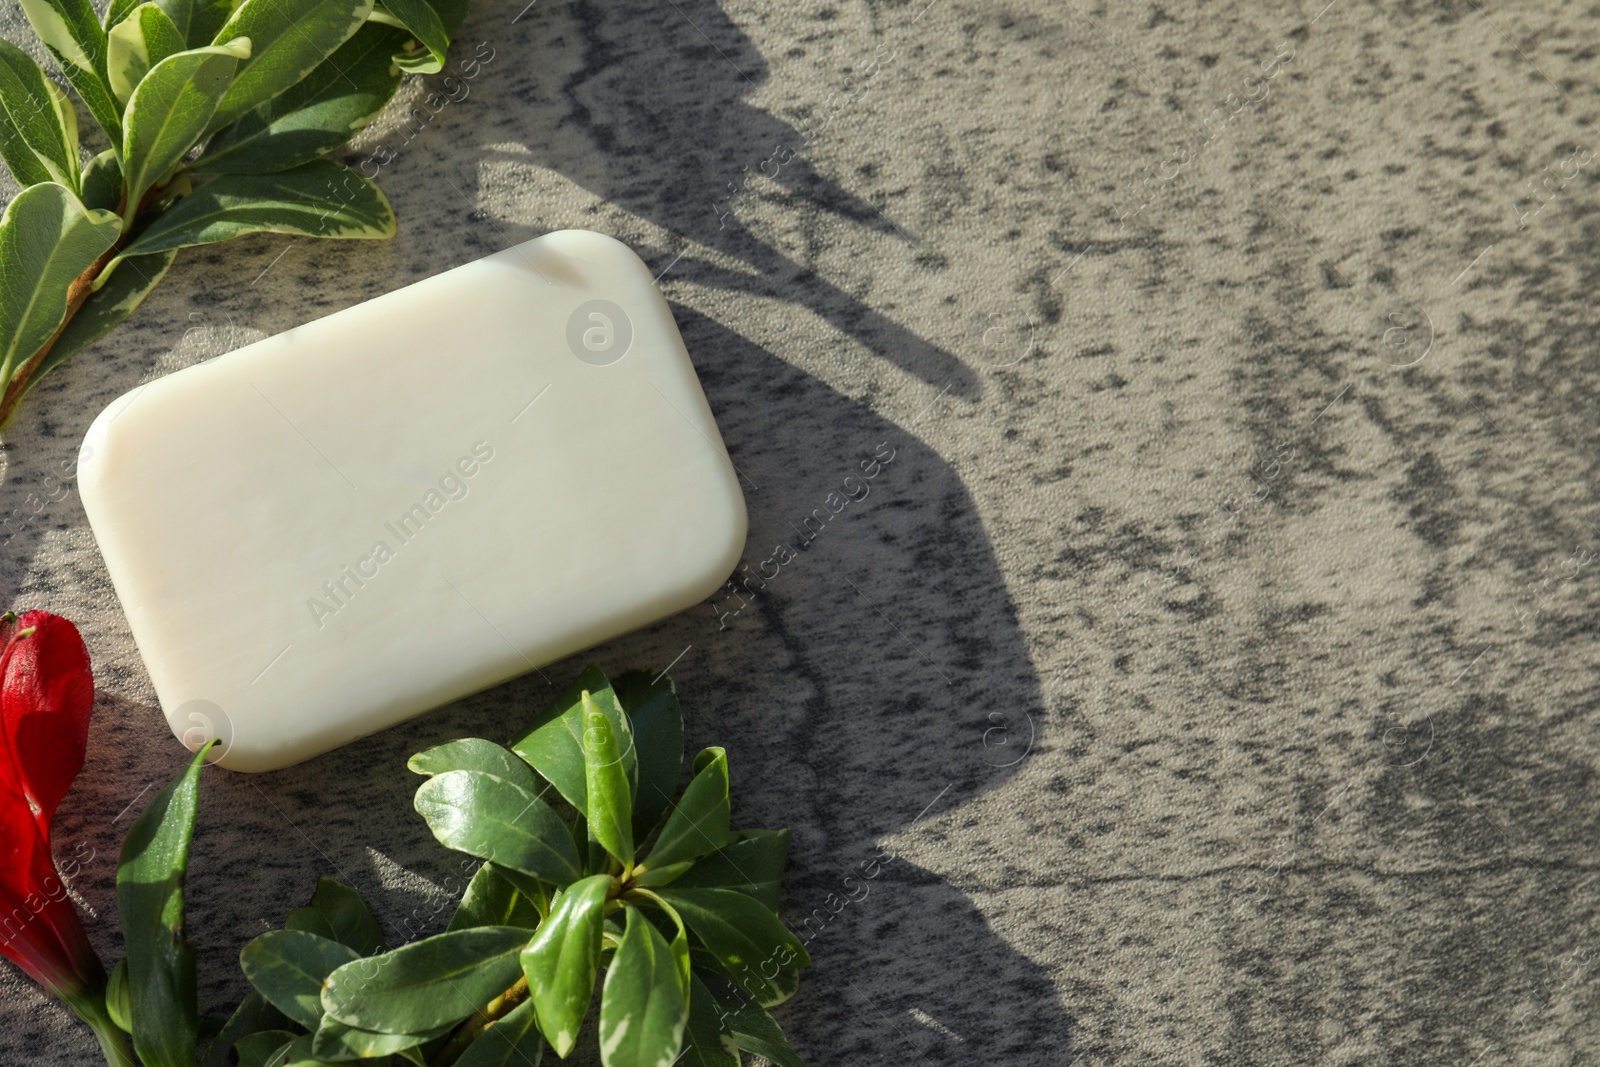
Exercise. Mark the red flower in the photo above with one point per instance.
(46, 692)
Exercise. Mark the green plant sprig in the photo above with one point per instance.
(218, 115)
(620, 884)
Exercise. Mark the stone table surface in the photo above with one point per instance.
(1208, 676)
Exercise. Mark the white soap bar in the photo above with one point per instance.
(332, 530)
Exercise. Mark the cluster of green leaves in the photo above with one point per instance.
(217, 114)
(618, 881)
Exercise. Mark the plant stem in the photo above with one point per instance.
(473, 1028)
(78, 291)
(91, 1008)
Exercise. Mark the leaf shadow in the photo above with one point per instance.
(647, 107)
(879, 677)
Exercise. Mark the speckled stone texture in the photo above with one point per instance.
(1214, 655)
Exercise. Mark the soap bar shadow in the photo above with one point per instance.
(38, 490)
(868, 691)
(858, 692)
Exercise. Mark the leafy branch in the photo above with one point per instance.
(218, 117)
(620, 883)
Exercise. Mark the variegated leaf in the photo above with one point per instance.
(318, 199)
(290, 38)
(328, 107)
(47, 239)
(169, 111)
(105, 309)
(102, 182)
(72, 34)
(199, 20)
(134, 45)
(40, 142)
(422, 21)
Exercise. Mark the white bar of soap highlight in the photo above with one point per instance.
(335, 529)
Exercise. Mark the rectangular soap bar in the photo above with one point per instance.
(337, 528)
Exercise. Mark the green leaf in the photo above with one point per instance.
(102, 182)
(118, 10)
(706, 1043)
(311, 921)
(150, 874)
(751, 1028)
(117, 1005)
(783, 985)
(474, 754)
(679, 944)
(428, 983)
(47, 239)
(680, 941)
(699, 823)
(680, 953)
(511, 1041)
(40, 141)
(644, 1005)
(290, 38)
(72, 34)
(420, 18)
(610, 798)
(451, 14)
(352, 921)
(492, 899)
(105, 308)
(563, 958)
(333, 103)
(596, 859)
(553, 745)
(337, 1042)
(169, 111)
(252, 1014)
(296, 1054)
(747, 939)
(288, 967)
(752, 863)
(536, 892)
(259, 1049)
(302, 201)
(486, 816)
(657, 720)
(659, 876)
(197, 20)
(135, 45)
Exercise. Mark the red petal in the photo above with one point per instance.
(39, 926)
(46, 694)
(9, 782)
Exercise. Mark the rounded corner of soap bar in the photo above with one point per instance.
(720, 562)
(244, 760)
(586, 240)
(95, 450)
(235, 750)
(104, 454)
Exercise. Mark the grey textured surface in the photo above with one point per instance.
(1223, 688)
